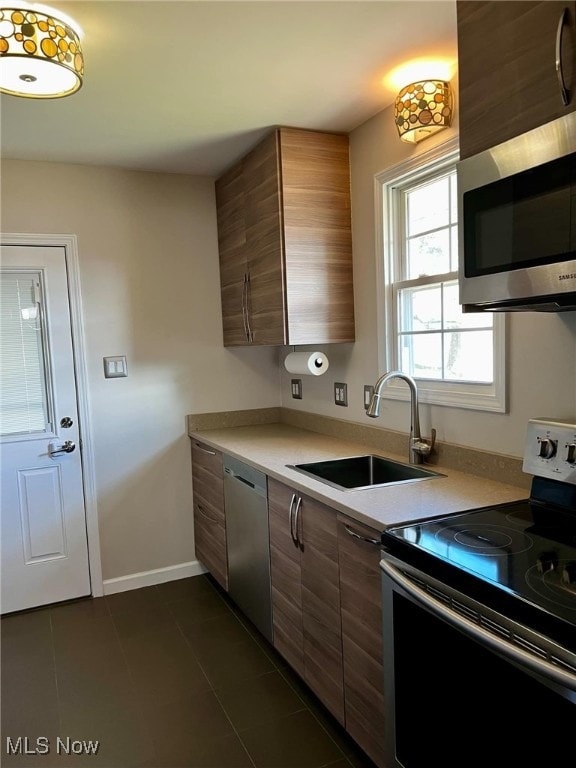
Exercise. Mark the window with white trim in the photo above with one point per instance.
(456, 358)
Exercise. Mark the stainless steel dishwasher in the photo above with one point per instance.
(247, 536)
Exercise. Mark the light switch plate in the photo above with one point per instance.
(115, 367)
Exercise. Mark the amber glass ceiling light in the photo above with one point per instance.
(422, 109)
(40, 53)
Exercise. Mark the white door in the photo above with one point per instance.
(43, 522)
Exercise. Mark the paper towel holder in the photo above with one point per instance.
(306, 363)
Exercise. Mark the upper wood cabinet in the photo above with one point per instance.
(209, 517)
(507, 74)
(306, 591)
(285, 242)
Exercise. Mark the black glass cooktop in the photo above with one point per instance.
(525, 548)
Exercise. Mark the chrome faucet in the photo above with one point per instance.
(418, 448)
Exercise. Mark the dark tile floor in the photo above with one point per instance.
(170, 676)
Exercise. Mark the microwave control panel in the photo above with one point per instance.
(551, 449)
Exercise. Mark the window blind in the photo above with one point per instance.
(23, 396)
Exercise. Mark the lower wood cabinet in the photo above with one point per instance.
(306, 591)
(361, 607)
(209, 518)
(326, 595)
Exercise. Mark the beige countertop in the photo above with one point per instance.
(271, 447)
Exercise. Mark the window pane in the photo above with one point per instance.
(421, 355)
(455, 318)
(23, 402)
(421, 308)
(453, 199)
(428, 207)
(468, 356)
(436, 341)
(429, 255)
(454, 249)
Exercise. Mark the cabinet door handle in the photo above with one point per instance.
(203, 512)
(297, 540)
(248, 307)
(291, 518)
(350, 532)
(245, 307)
(205, 450)
(564, 92)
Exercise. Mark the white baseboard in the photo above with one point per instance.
(149, 578)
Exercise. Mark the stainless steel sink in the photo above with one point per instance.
(357, 472)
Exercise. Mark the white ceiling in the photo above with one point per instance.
(185, 86)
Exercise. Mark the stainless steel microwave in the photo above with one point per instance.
(517, 213)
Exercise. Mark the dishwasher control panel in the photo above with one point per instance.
(551, 449)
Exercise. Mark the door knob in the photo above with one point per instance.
(66, 447)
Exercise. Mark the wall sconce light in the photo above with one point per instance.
(423, 108)
(40, 54)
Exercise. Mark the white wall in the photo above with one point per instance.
(150, 286)
(541, 347)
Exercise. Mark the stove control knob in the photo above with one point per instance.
(571, 455)
(547, 448)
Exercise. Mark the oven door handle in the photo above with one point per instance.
(515, 654)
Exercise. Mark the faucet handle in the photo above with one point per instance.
(423, 446)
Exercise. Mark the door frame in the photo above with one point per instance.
(69, 243)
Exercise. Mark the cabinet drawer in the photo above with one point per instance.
(207, 458)
(210, 543)
(207, 479)
(209, 518)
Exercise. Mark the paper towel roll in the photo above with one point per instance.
(307, 363)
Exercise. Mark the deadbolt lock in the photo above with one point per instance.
(66, 422)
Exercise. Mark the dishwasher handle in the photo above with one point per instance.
(239, 477)
(254, 480)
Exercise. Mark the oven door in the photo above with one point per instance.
(457, 693)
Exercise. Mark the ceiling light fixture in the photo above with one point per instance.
(40, 53)
(422, 109)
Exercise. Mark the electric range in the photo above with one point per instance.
(491, 592)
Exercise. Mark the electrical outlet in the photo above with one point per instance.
(368, 392)
(341, 393)
(297, 389)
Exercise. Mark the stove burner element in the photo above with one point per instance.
(486, 539)
(471, 538)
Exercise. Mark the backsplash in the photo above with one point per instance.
(227, 419)
(505, 469)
